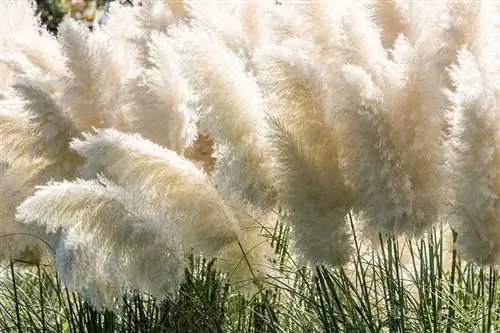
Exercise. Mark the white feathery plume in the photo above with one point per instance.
(18, 135)
(234, 117)
(35, 149)
(22, 36)
(476, 141)
(109, 214)
(177, 191)
(417, 104)
(358, 41)
(310, 183)
(80, 93)
(5, 81)
(251, 16)
(284, 22)
(392, 116)
(159, 15)
(162, 107)
(323, 22)
(315, 210)
(246, 260)
(54, 129)
(225, 21)
(447, 27)
(165, 180)
(17, 181)
(390, 17)
(177, 8)
(87, 267)
(94, 61)
(154, 16)
(477, 162)
(121, 22)
(385, 189)
(17, 63)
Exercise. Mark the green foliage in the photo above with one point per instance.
(51, 13)
(377, 293)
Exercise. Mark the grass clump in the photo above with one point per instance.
(401, 286)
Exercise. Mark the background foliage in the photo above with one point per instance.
(52, 11)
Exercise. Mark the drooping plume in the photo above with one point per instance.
(161, 178)
(116, 223)
(53, 128)
(180, 193)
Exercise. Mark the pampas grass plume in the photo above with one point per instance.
(164, 179)
(234, 117)
(106, 212)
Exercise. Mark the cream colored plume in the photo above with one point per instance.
(54, 129)
(232, 22)
(117, 223)
(94, 60)
(310, 183)
(391, 112)
(18, 135)
(24, 45)
(391, 19)
(17, 181)
(234, 117)
(162, 104)
(476, 133)
(162, 179)
(247, 261)
(284, 22)
(179, 193)
(154, 17)
(87, 267)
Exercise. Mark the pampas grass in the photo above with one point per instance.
(102, 216)
(354, 122)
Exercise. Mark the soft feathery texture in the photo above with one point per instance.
(34, 147)
(165, 180)
(283, 22)
(88, 268)
(311, 108)
(24, 44)
(18, 135)
(247, 260)
(94, 60)
(390, 17)
(475, 102)
(109, 214)
(391, 116)
(226, 22)
(17, 182)
(180, 193)
(162, 104)
(323, 20)
(53, 127)
(316, 212)
(233, 116)
(310, 183)
(152, 16)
